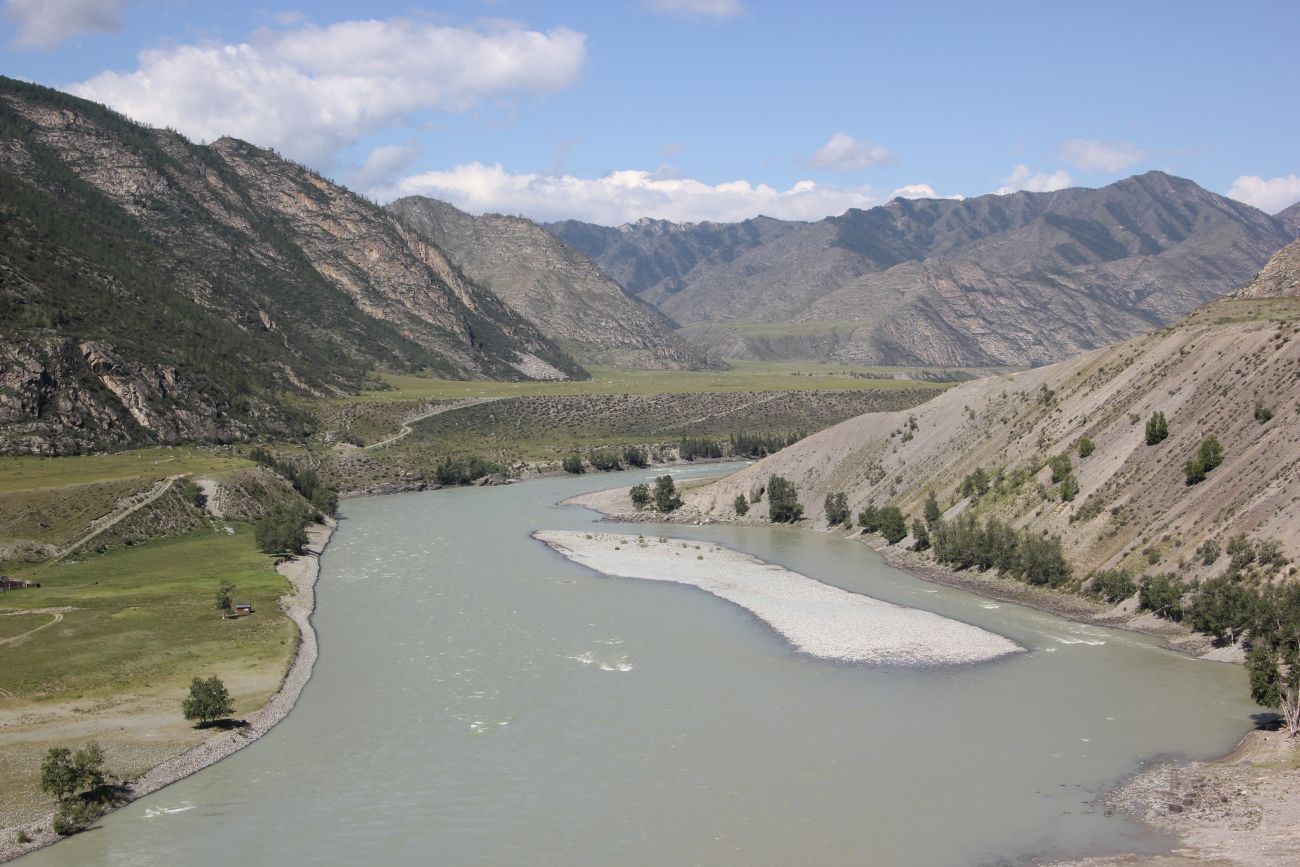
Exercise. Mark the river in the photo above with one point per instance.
(481, 700)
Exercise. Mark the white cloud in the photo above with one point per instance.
(46, 23)
(1022, 177)
(1270, 196)
(1100, 156)
(384, 162)
(624, 196)
(703, 8)
(844, 153)
(312, 90)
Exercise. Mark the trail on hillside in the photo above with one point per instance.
(56, 613)
(437, 410)
(161, 487)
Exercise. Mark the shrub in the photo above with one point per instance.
(573, 464)
(463, 471)
(76, 814)
(893, 524)
(1157, 428)
(1061, 467)
(933, 513)
(640, 495)
(1208, 552)
(976, 484)
(921, 535)
(1162, 595)
(1223, 608)
(1069, 488)
(284, 531)
(742, 505)
(869, 518)
(1113, 585)
(1086, 447)
(605, 461)
(635, 457)
(665, 496)
(783, 501)
(837, 509)
(1263, 413)
(1042, 560)
(1208, 456)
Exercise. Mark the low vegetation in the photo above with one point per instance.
(783, 501)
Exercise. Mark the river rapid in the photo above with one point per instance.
(481, 700)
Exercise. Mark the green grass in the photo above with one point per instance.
(143, 618)
(30, 472)
(745, 376)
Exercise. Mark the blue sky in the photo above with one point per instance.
(700, 109)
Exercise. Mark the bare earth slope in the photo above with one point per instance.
(555, 287)
(1134, 508)
(1279, 278)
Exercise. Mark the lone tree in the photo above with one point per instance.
(78, 781)
(783, 504)
(742, 505)
(933, 513)
(1157, 428)
(224, 605)
(666, 498)
(207, 702)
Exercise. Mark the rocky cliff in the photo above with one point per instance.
(552, 285)
(154, 290)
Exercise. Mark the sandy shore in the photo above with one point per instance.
(816, 618)
(302, 573)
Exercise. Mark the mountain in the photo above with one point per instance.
(1290, 218)
(1019, 279)
(554, 286)
(1279, 278)
(154, 290)
(1227, 370)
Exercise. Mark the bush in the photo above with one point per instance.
(1061, 467)
(921, 535)
(573, 464)
(605, 462)
(783, 501)
(463, 471)
(1157, 428)
(76, 814)
(1208, 552)
(1263, 413)
(742, 505)
(933, 513)
(194, 494)
(1208, 456)
(1069, 488)
(665, 496)
(635, 457)
(640, 495)
(692, 448)
(1162, 595)
(1042, 560)
(1223, 608)
(1086, 447)
(869, 518)
(284, 531)
(1113, 585)
(976, 484)
(837, 509)
(893, 524)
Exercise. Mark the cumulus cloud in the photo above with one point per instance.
(1270, 196)
(46, 23)
(1100, 156)
(624, 196)
(703, 8)
(310, 91)
(844, 153)
(1022, 177)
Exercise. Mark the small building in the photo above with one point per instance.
(7, 583)
(242, 608)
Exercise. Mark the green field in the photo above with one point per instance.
(30, 472)
(744, 376)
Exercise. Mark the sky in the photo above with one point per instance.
(690, 110)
